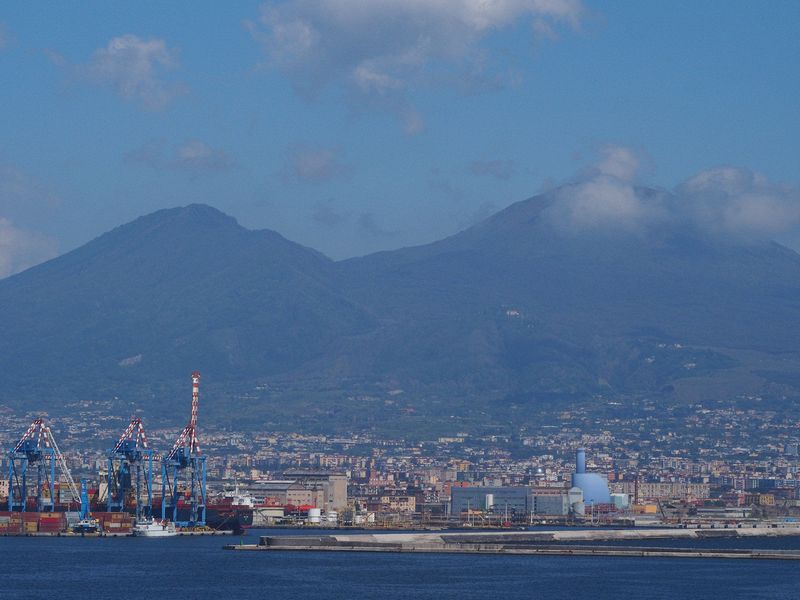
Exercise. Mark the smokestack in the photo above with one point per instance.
(580, 461)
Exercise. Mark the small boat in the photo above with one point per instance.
(154, 528)
(86, 526)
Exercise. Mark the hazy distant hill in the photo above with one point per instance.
(515, 305)
(152, 300)
(510, 311)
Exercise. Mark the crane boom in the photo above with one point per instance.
(188, 437)
(62, 463)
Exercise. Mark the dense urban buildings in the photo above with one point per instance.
(715, 462)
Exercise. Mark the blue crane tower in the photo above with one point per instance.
(85, 512)
(130, 471)
(37, 449)
(184, 470)
(32, 451)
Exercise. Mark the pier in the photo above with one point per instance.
(561, 543)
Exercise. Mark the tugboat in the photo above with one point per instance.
(154, 528)
(86, 526)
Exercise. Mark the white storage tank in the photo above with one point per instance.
(332, 517)
(314, 516)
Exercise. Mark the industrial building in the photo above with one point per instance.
(664, 490)
(515, 500)
(518, 501)
(321, 489)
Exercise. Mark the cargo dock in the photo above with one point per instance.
(561, 543)
(59, 524)
(104, 534)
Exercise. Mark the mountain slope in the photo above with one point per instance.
(175, 290)
(513, 311)
(525, 309)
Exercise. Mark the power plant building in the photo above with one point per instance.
(587, 489)
(593, 486)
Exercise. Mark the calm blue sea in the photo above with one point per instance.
(196, 568)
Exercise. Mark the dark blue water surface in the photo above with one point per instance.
(196, 568)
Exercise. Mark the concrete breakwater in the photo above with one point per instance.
(528, 542)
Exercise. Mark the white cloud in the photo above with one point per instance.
(735, 201)
(605, 196)
(724, 201)
(20, 249)
(197, 155)
(618, 162)
(313, 164)
(380, 50)
(194, 156)
(135, 68)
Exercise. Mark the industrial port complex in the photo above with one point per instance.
(358, 482)
(43, 498)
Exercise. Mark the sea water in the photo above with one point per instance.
(197, 568)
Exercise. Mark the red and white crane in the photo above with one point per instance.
(186, 464)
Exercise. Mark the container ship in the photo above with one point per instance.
(221, 514)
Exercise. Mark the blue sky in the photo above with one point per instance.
(355, 126)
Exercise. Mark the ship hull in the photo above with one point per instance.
(223, 518)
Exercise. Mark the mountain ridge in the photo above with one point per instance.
(508, 311)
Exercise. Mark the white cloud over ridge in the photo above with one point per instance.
(605, 196)
(379, 50)
(135, 68)
(740, 202)
(618, 162)
(724, 201)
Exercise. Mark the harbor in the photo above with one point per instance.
(41, 505)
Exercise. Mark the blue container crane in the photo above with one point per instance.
(130, 471)
(184, 468)
(37, 448)
(32, 451)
